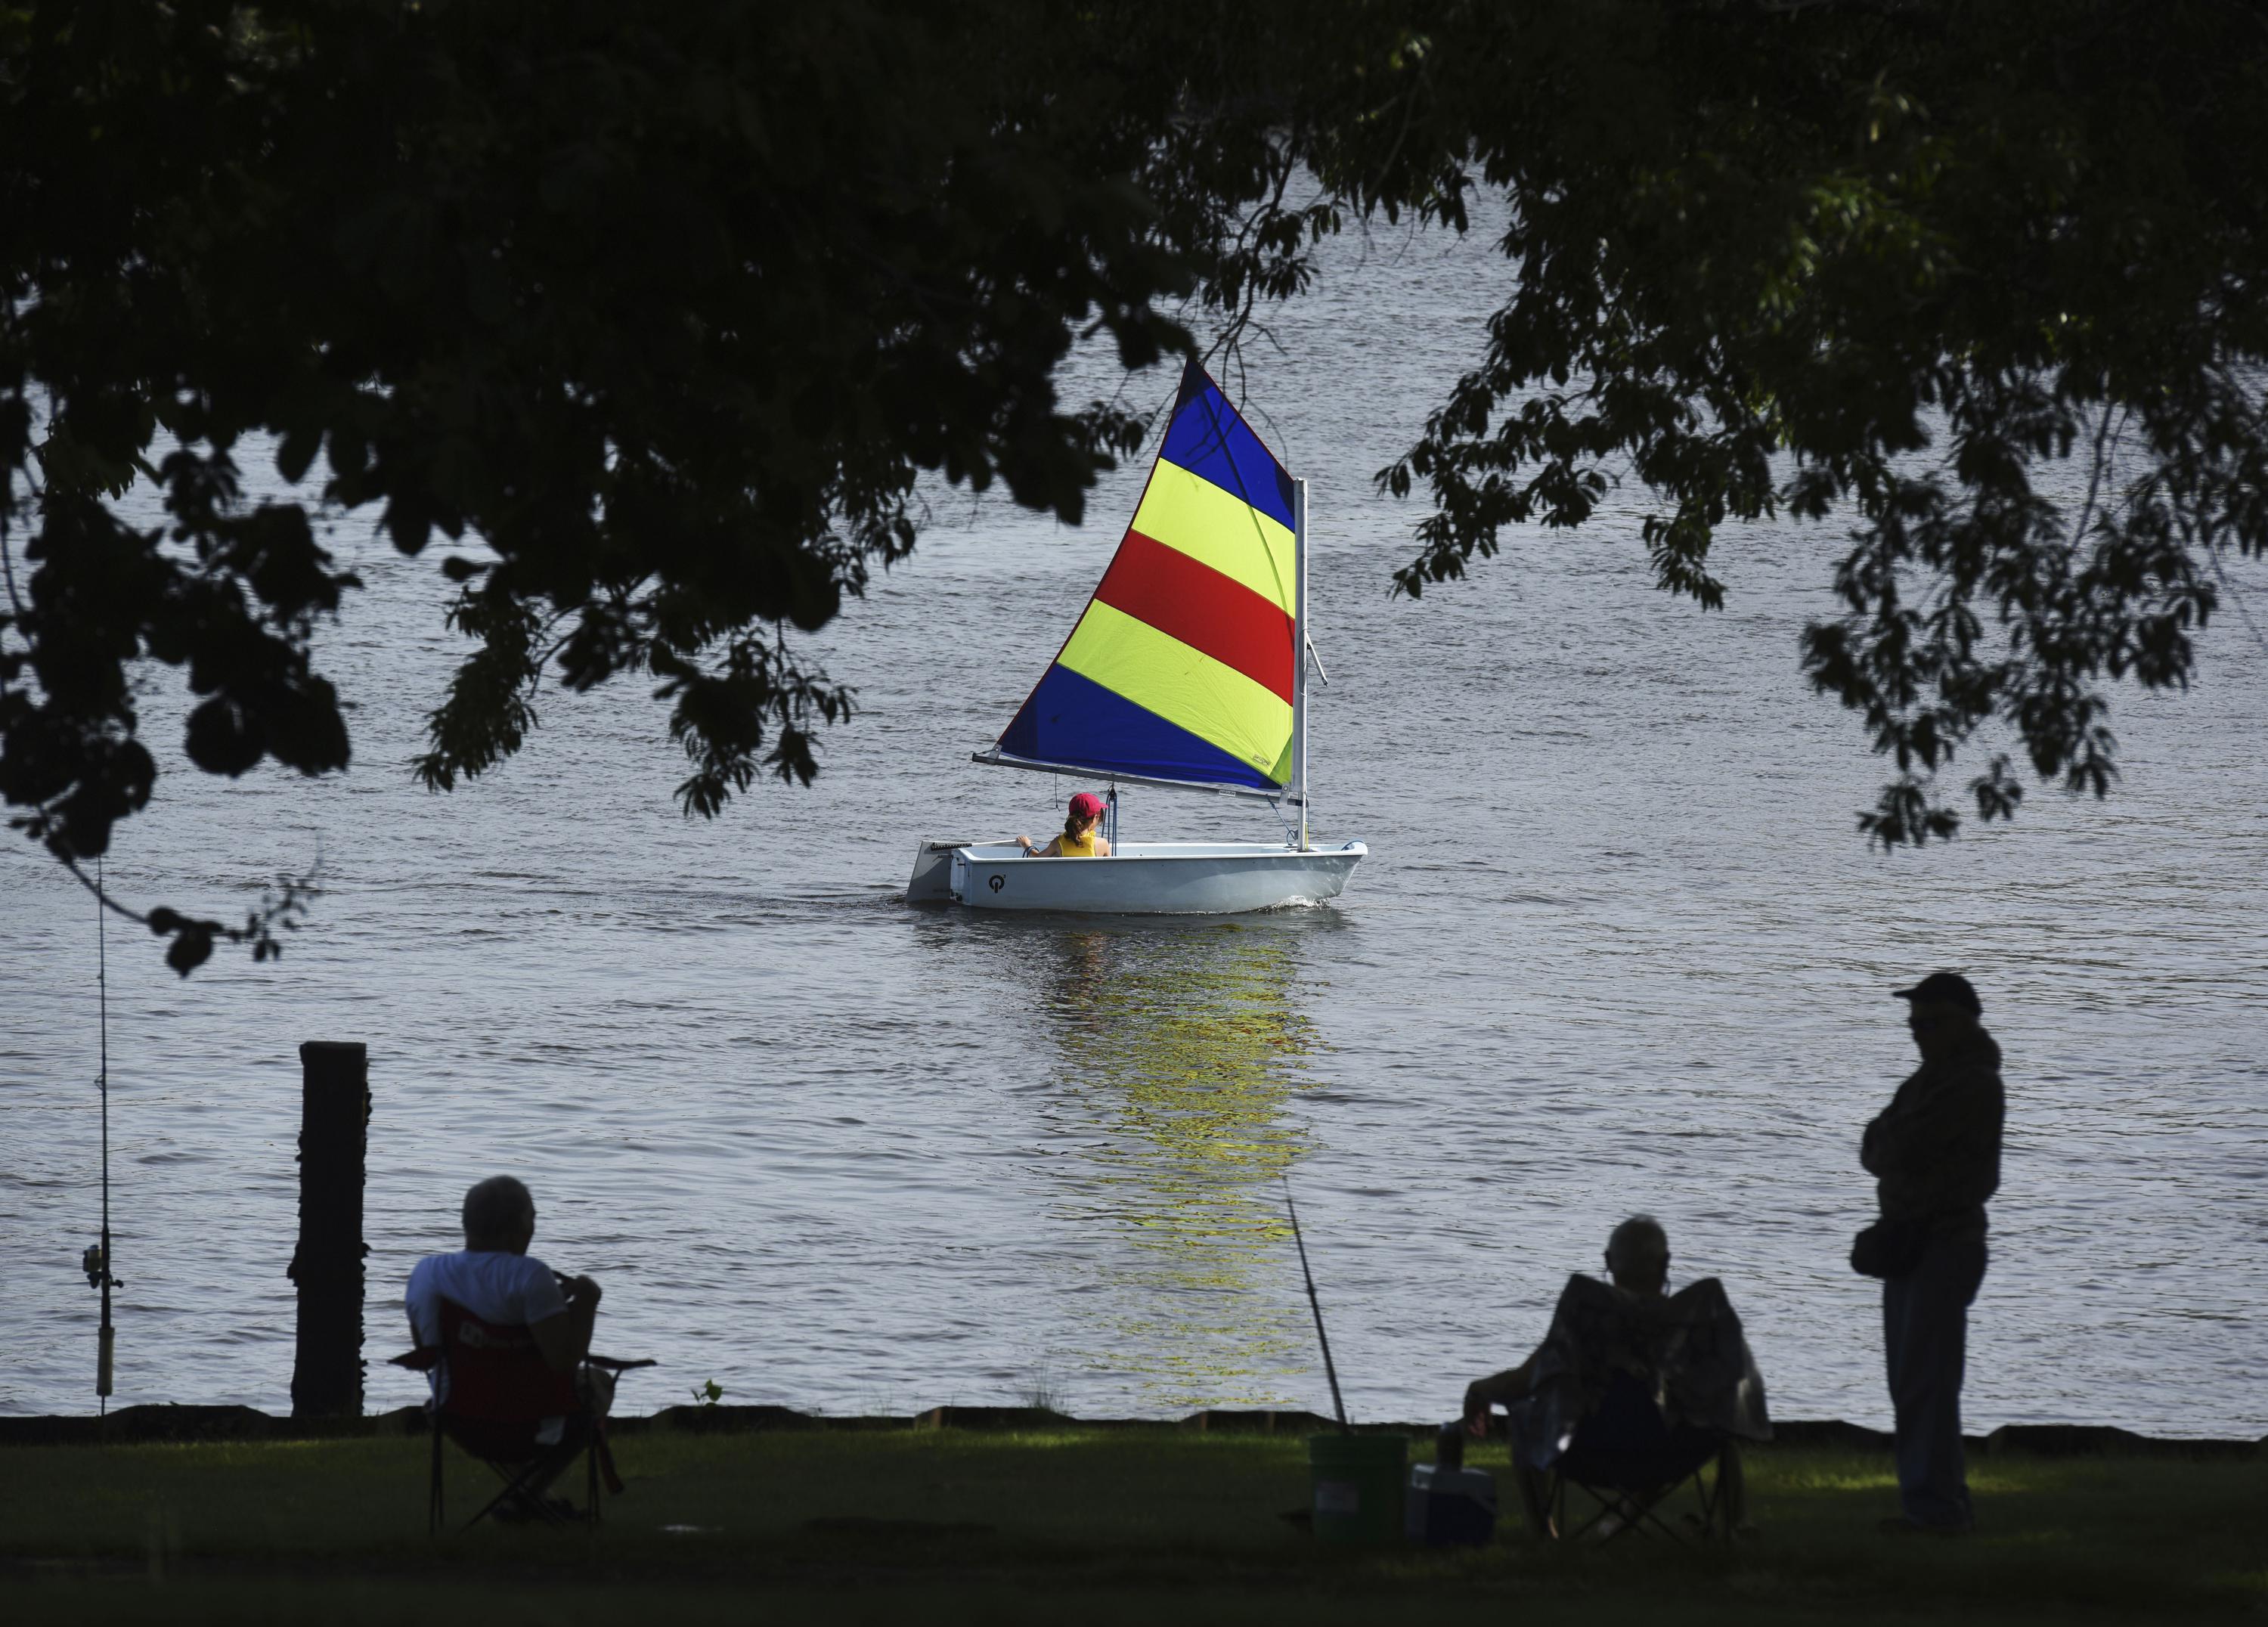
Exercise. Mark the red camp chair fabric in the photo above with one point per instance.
(500, 1390)
(499, 1396)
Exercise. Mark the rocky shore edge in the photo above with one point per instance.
(133, 1425)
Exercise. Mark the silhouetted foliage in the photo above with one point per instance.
(667, 307)
(661, 312)
(1891, 262)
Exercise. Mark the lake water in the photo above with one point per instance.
(1617, 947)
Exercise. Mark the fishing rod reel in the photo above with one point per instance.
(97, 1266)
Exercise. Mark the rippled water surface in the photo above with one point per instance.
(1617, 947)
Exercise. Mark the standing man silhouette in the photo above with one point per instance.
(1935, 1154)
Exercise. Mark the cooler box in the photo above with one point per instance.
(1450, 1507)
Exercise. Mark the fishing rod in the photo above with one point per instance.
(96, 1261)
(1316, 1306)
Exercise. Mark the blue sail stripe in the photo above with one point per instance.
(1210, 440)
(1075, 721)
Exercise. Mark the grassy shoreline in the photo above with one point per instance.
(949, 1524)
(166, 1422)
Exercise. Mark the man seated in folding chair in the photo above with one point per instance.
(1633, 1392)
(506, 1343)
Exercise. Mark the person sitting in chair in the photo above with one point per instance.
(1687, 1348)
(1638, 1263)
(496, 1279)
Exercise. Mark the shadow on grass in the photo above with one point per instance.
(944, 1526)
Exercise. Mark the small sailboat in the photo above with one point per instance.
(1189, 672)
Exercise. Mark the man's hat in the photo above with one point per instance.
(1945, 989)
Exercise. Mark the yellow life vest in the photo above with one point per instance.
(1069, 846)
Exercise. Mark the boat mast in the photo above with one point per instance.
(1299, 652)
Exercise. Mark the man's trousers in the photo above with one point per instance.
(1924, 1334)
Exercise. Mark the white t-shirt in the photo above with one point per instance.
(509, 1290)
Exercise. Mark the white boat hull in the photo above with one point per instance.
(1141, 878)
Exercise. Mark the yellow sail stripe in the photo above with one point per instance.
(1185, 687)
(1192, 515)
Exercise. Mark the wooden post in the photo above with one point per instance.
(334, 1123)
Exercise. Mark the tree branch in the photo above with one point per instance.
(278, 911)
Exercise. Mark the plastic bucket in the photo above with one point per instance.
(1358, 1485)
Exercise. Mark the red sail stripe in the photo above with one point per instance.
(1206, 610)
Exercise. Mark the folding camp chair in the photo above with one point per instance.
(1627, 1460)
(501, 1400)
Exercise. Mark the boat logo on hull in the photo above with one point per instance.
(997, 882)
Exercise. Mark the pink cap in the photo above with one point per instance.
(1086, 805)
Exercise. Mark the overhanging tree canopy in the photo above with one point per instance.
(1889, 262)
(670, 307)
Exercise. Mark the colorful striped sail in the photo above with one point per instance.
(1184, 668)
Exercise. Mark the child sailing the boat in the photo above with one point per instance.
(1082, 835)
(1187, 671)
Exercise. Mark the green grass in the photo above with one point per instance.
(1100, 1527)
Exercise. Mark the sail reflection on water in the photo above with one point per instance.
(1182, 1044)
